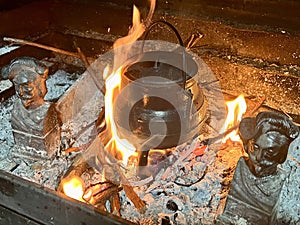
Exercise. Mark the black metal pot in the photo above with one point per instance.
(160, 104)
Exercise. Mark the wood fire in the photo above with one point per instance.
(214, 160)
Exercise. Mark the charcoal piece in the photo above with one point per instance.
(171, 205)
(165, 221)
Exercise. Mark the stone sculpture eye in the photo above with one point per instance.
(269, 150)
(255, 147)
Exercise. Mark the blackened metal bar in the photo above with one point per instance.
(9, 217)
(45, 206)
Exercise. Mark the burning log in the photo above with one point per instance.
(115, 205)
(130, 193)
(76, 170)
(105, 195)
(98, 194)
(95, 189)
(136, 200)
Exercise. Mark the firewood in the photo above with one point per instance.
(115, 205)
(134, 198)
(75, 149)
(99, 83)
(96, 149)
(105, 195)
(95, 189)
(83, 58)
(193, 39)
(142, 182)
(76, 169)
(101, 206)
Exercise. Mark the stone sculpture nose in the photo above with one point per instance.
(259, 155)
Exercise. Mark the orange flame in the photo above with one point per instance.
(73, 187)
(122, 145)
(113, 80)
(138, 28)
(235, 110)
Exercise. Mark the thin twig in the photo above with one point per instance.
(256, 107)
(192, 40)
(99, 83)
(294, 159)
(76, 149)
(142, 182)
(24, 42)
(209, 83)
(83, 58)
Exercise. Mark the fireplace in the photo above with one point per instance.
(248, 48)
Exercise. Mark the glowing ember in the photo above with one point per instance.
(73, 187)
(235, 110)
(113, 81)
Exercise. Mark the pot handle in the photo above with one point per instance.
(165, 23)
(179, 40)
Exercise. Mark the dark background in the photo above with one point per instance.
(260, 14)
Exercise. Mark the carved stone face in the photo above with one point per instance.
(30, 87)
(266, 139)
(265, 153)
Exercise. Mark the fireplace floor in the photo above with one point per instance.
(245, 59)
(197, 186)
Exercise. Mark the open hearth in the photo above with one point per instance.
(184, 183)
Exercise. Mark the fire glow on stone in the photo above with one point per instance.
(235, 110)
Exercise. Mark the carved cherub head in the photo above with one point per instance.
(29, 77)
(266, 139)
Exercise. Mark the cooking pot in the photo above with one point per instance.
(160, 104)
